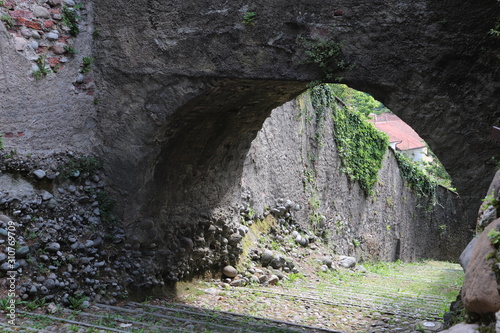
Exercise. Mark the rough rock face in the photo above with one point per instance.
(480, 292)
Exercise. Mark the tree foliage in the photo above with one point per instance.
(359, 100)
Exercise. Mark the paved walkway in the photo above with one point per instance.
(387, 298)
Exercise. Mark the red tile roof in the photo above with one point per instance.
(398, 131)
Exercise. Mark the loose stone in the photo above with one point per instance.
(53, 247)
(229, 271)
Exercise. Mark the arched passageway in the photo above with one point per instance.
(187, 86)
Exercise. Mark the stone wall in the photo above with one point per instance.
(285, 161)
(54, 112)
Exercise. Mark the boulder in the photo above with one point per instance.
(479, 291)
(327, 261)
(467, 253)
(22, 252)
(39, 174)
(277, 262)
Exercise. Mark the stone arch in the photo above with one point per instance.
(186, 86)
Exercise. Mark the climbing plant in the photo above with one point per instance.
(417, 179)
(360, 145)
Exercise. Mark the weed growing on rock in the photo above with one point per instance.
(419, 327)
(7, 19)
(327, 55)
(490, 200)
(70, 50)
(292, 277)
(36, 304)
(494, 237)
(249, 18)
(1, 142)
(87, 64)
(70, 19)
(5, 303)
(81, 165)
(77, 302)
(42, 70)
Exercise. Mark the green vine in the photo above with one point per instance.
(360, 145)
(321, 100)
(417, 179)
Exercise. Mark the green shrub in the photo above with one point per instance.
(106, 206)
(84, 164)
(327, 55)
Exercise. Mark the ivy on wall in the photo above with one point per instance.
(417, 179)
(360, 145)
